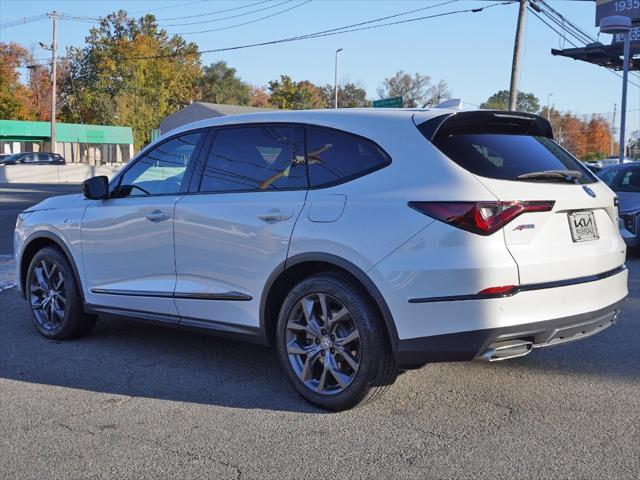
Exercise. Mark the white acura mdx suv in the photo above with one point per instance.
(357, 242)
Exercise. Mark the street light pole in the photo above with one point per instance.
(623, 107)
(619, 24)
(54, 79)
(548, 108)
(335, 81)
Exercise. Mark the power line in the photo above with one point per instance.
(243, 14)
(212, 13)
(184, 4)
(24, 20)
(337, 31)
(246, 23)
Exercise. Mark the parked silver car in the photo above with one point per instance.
(625, 181)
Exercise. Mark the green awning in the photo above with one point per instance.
(27, 131)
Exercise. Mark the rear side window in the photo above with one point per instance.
(336, 157)
(503, 148)
(256, 158)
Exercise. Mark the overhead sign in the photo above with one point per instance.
(391, 102)
(627, 8)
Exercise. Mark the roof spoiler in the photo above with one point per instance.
(484, 121)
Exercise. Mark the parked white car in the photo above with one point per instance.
(358, 242)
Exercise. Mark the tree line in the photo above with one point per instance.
(132, 73)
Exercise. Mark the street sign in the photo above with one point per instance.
(627, 8)
(391, 102)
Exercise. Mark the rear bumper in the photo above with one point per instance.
(461, 346)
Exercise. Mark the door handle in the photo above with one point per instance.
(158, 216)
(273, 216)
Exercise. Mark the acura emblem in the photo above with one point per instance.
(589, 191)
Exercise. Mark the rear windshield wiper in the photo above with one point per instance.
(552, 175)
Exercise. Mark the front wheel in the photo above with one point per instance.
(333, 343)
(54, 297)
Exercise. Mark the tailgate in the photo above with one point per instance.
(578, 238)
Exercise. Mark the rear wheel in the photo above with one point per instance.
(333, 343)
(54, 297)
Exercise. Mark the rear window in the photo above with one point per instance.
(502, 148)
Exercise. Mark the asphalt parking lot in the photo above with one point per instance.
(136, 401)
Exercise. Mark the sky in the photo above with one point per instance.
(472, 52)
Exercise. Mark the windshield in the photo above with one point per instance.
(622, 179)
(10, 158)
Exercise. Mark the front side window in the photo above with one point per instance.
(335, 157)
(255, 158)
(161, 170)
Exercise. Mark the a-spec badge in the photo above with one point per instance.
(590, 192)
(526, 226)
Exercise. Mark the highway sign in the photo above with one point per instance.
(391, 102)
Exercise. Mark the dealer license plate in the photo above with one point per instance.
(583, 226)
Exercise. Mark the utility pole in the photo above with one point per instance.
(517, 53)
(613, 129)
(54, 79)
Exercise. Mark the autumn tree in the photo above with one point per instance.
(525, 102)
(220, 84)
(598, 137)
(15, 101)
(130, 73)
(290, 95)
(350, 95)
(258, 97)
(571, 135)
(416, 90)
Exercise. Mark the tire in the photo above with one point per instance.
(308, 350)
(52, 292)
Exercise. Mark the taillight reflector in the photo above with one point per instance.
(498, 291)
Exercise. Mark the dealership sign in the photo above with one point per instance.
(627, 8)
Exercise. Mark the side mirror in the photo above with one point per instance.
(96, 188)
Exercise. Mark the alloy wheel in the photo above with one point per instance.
(323, 343)
(47, 294)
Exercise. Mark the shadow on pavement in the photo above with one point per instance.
(140, 360)
(136, 359)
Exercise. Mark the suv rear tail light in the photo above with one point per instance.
(483, 218)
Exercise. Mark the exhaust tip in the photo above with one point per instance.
(505, 350)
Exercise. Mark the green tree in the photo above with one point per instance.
(220, 84)
(289, 95)
(416, 90)
(130, 73)
(525, 102)
(350, 95)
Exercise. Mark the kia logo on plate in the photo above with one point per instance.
(589, 191)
